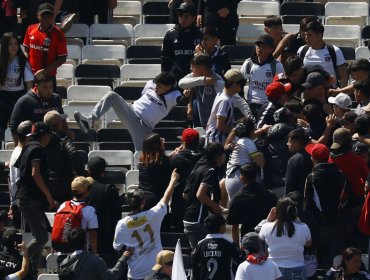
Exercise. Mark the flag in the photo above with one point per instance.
(178, 271)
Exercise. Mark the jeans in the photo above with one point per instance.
(195, 233)
(33, 214)
(135, 126)
(294, 273)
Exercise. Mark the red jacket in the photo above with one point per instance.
(355, 169)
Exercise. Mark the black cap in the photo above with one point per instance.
(3, 216)
(96, 163)
(24, 128)
(45, 8)
(360, 148)
(266, 40)
(186, 8)
(313, 80)
(39, 129)
(10, 237)
(251, 241)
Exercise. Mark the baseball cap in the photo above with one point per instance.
(342, 100)
(340, 136)
(233, 75)
(45, 8)
(360, 148)
(9, 237)
(277, 89)
(186, 8)
(318, 152)
(313, 80)
(24, 128)
(189, 135)
(53, 117)
(280, 78)
(251, 241)
(81, 184)
(266, 40)
(39, 129)
(163, 257)
(96, 163)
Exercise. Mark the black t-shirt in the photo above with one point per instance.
(213, 257)
(27, 188)
(204, 174)
(250, 206)
(10, 262)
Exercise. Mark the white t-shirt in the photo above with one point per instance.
(14, 173)
(322, 57)
(244, 149)
(222, 107)
(259, 78)
(89, 218)
(13, 276)
(141, 231)
(151, 108)
(265, 271)
(13, 76)
(286, 252)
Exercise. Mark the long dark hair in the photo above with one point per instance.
(286, 213)
(4, 57)
(348, 254)
(152, 151)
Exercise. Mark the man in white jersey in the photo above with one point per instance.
(317, 52)
(221, 120)
(141, 231)
(159, 96)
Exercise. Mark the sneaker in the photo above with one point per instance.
(67, 22)
(83, 122)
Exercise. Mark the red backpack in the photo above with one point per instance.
(68, 218)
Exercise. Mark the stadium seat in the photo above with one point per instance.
(169, 241)
(111, 34)
(238, 54)
(291, 28)
(65, 75)
(150, 34)
(137, 159)
(292, 19)
(156, 13)
(86, 93)
(74, 52)
(175, 118)
(5, 155)
(92, 74)
(138, 74)
(61, 91)
(115, 158)
(143, 54)
(293, 8)
(362, 52)
(127, 12)
(51, 264)
(343, 14)
(348, 53)
(50, 217)
(130, 94)
(48, 277)
(170, 134)
(248, 33)
(78, 34)
(113, 135)
(105, 52)
(132, 177)
(343, 35)
(256, 12)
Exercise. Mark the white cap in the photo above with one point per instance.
(342, 100)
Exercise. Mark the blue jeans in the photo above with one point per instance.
(294, 273)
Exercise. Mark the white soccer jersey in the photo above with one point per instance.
(141, 231)
(322, 57)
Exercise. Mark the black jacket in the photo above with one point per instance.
(220, 61)
(178, 49)
(158, 276)
(328, 181)
(31, 107)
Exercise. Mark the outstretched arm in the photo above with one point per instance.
(171, 187)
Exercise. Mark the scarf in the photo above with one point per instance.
(257, 258)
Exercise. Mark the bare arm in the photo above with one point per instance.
(235, 234)
(57, 5)
(93, 238)
(330, 122)
(343, 75)
(308, 243)
(36, 175)
(229, 139)
(283, 44)
(171, 186)
(221, 124)
(25, 261)
(206, 200)
(59, 61)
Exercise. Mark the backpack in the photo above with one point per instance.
(272, 64)
(68, 218)
(332, 54)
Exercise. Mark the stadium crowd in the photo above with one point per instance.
(290, 179)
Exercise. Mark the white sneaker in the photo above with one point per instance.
(83, 122)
